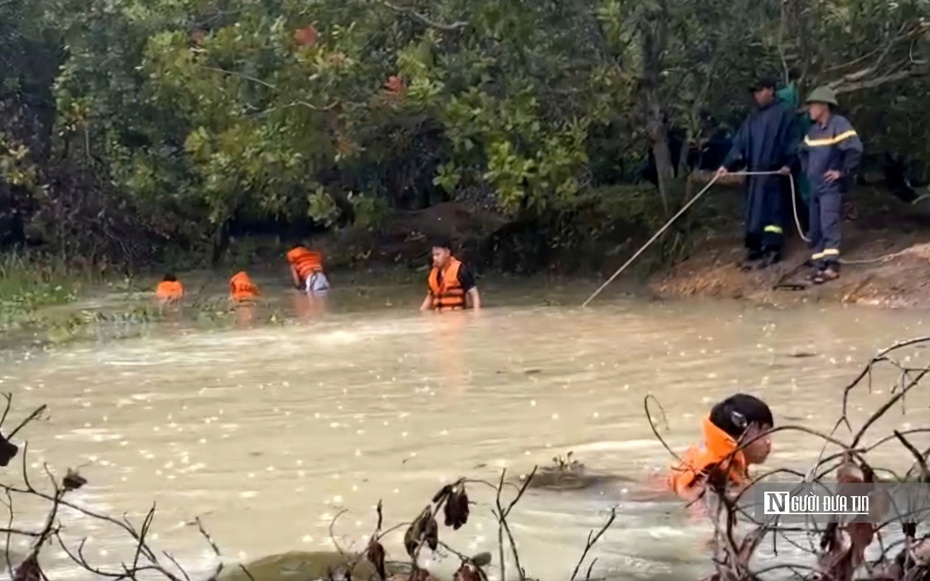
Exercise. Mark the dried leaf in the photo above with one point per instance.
(410, 539)
(849, 472)
(442, 492)
(423, 528)
(467, 572)
(29, 570)
(431, 534)
(8, 451)
(420, 575)
(375, 555)
(456, 508)
(73, 480)
(860, 537)
(844, 550)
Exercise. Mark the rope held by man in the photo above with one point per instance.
(661, 230)
(705, 189)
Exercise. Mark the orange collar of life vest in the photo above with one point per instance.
(720, 444)
(450, 277)
(242, 284)
(169, 289)
(296, 254)
(718, 448)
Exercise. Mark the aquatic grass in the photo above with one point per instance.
(32, 280)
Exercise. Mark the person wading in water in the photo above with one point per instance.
(451, 284)
(307, 270)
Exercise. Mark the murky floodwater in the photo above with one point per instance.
(268, 432)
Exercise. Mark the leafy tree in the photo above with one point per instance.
(130, 124)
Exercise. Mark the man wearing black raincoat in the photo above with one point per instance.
(766, 142)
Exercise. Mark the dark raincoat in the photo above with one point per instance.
(767, 141)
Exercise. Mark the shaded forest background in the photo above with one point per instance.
(132, 130)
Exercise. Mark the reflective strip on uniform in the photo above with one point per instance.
(831, 252)
(817, 256)
(774, 229)
(828, 141)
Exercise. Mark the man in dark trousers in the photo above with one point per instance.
(766, 142)
(829, 156)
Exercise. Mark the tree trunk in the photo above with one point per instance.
(654, 42)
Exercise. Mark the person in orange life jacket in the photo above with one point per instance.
(169, 290)
(734, 438)
(307, 270)
(242, 289)
(451, 283)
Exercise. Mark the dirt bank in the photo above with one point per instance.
(886, 245)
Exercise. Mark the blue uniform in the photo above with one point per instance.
(767, 141)
(834, 146)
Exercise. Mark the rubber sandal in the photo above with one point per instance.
(826, 276)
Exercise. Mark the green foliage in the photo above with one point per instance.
(30, 282)
(174, 119)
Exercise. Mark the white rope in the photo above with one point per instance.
(682, 211)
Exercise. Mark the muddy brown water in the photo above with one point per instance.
(268, 432)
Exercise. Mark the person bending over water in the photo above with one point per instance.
(307, 270)
(169, 290)
(739, 420)
(242, 289)
(451, 283)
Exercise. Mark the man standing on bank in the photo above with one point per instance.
(766, 142)
(829, 157)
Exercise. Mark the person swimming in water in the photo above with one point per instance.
(735, 437)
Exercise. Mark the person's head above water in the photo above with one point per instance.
(442, 252)
(170, 278)
(745, 416)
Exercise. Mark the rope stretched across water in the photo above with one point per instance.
(705, 189)
(677, 215)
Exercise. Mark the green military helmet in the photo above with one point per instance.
(824, 95)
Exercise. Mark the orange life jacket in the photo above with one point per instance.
(718, 449)
(169, 290)
(306, 262)
(447, 293)
(241, 287)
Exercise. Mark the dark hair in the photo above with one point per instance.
(734, 414)
(442, 242)
(170, 278)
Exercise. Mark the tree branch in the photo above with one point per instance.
(458, 25)
(842, 87)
